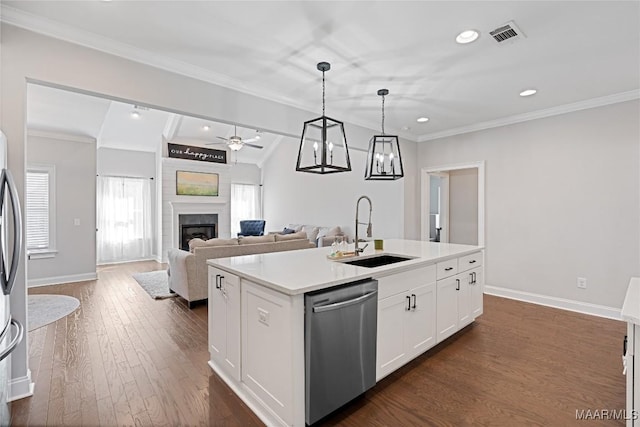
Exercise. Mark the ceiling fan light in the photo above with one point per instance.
(234, 146)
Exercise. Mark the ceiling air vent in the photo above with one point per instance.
(508, 31)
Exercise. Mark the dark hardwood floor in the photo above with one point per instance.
(125, 359)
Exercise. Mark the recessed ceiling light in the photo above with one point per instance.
(467, 36)
(257, 137)
(528, 92)
(205, 127)
(422, 119)
(135, 115)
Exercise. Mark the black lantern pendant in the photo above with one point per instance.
(384, 161)
(323, 146)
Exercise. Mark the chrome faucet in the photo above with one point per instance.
(358, 250)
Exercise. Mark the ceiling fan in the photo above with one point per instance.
(235, 143)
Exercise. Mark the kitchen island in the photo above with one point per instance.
(256, 314)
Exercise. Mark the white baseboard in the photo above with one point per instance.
(20, 388)
(45, 281)
(561, 303)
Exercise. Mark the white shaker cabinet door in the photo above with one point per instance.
(477, 293)
(217, 317)
(447, 317)
(421, 320)
(464, 299)
(391, 354)
(231, 291)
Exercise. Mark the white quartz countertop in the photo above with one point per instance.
(305, 270)
(631, 306)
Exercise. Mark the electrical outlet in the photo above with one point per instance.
(263, 316)
(582, 283)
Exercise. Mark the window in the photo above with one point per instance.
(125, 223)
(40, 210)
(245, 204)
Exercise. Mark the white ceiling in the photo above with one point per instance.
(574, 51)
(111, 124)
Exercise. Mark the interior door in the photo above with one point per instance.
(438, 206)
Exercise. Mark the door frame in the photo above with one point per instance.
(425, 200)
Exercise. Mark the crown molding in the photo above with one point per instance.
(47, 27)
(554, 111)
(60, 136)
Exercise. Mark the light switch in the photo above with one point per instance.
(76, 221)
(263, 316)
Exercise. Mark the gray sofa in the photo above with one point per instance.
(188, 272)
(319, 235)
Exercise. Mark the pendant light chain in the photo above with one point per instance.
(383, 114)
(323, 93)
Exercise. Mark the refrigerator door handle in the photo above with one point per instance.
(6, 181)
(16, 340)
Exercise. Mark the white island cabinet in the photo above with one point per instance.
(224, 320)
(256, 314)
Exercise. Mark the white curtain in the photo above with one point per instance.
(124, 219)
(245, 204)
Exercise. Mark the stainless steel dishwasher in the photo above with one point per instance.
(340, 346)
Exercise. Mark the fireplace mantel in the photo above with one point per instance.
(199, 202)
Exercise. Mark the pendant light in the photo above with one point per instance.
(323, 146)
(383, 157)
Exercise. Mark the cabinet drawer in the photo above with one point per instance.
(447, 268)
(401, 282)
(468, 262)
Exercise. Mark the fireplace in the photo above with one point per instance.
(192, 226)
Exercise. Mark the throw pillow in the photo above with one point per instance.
(312, 232)
(288, 231)
(328, 231)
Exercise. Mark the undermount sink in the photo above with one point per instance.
(377, 261)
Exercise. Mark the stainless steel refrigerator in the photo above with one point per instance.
(12, 330)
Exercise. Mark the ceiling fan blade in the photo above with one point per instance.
(224, 139)
(254, 146)
(250, 140)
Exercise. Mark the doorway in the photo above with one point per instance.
(452, 205)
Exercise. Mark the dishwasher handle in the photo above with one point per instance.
(342, 304)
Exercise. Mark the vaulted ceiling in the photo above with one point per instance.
(575, 53)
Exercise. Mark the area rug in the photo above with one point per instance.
(156, 283)
(44, 309)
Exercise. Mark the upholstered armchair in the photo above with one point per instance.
(252, 227)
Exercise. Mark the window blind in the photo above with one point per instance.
(37, 212)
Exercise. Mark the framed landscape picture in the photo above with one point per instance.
(196, 183)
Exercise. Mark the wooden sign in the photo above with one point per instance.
(197, 153)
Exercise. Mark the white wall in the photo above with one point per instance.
(327, 200)
(463, 206)
(115, 162)
(111, 161)
(29, 56)
(562, 201)
(245, 173)
(75, 198)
